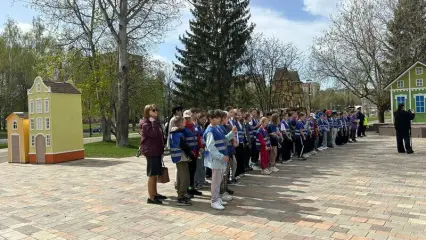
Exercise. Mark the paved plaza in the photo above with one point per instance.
(360, 191)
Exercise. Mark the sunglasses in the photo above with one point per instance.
(154, 110)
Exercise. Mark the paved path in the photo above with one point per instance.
(360, 191)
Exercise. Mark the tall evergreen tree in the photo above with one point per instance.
(212, 52)
(406, 40)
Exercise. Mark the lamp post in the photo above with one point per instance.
(309, 95)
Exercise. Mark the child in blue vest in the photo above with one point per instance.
(300, 137)
(181, 154)
(287, 145)
(216, 155)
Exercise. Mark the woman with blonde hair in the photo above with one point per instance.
(152, 149)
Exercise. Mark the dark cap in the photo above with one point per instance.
(177, 108)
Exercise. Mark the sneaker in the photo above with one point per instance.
(198, 186)
(183, 202)
(257, 168)
(160, 197)
(188, 195)
(232, 182)
(301, 158)
(222, 202)
(230, 191)
(195, 192)
(216, 205)
(227, 197)
(275, 169)
(305, 156)
(155, 201)
(320, 149)
(288, 161)
(265, 172)
(238, 177)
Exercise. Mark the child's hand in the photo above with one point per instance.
(234, 129)
(268, 148)
(226, 159)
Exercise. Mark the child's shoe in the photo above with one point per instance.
(227, 197)
(274, 169)
(266, 172)
(222, 202)
(183, 202)
(216, 205)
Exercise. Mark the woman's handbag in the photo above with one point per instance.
(164, 177)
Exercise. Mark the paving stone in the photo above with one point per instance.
(366, 195)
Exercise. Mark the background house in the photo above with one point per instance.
(409, 88)
(17, 135)
(287, 89)
(55, 117)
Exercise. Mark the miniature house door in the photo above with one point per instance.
(40, 149)
(16, 150)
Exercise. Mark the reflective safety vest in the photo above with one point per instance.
(191, 138)
(175, 151)
(265, 136)
(219, 139)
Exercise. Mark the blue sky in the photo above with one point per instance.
(297, 21)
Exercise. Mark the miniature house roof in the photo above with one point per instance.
(61, 87)
(280, 73)
(403, 73)
(23, 115)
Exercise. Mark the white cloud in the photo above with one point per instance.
(273, 24)
(24, 27)
(320, 7)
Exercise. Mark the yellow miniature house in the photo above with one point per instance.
(17, 135)
(55, 119)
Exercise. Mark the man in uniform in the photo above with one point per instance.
(403, 129)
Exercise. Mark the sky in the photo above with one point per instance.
(297, 21)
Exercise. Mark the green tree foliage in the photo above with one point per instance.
(212, 52)
(406, 38)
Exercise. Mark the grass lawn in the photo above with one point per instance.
(109, 150)
(3, 145)
(375, 118)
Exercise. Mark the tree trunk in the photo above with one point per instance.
(381, 113)
(106, 128)
(122, 128)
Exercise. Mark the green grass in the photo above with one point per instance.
(109, 150)
(3, 145)
(375, 118)
(3, 134)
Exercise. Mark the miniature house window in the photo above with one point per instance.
(31, 106)
(400, 83)
(419, 70)
(420, 103)
(400, 100)
(47, 140)
(39, 108)
(32, 141)
(38, 87)
(32, 124)
(46, 105)
(47, 123)
(15, 125)
(39, 123)
(419, 82)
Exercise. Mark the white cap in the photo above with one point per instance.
(187, 114)
(313, 115)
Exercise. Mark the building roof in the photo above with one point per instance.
(400, 75)
(61, 87)
(280, 73)
(23, 115)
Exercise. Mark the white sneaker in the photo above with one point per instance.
(223, 203)
(257, 168)
(216, 205)
(227, 197)
(266, 172)
(269, 170)
(306, 155)
(320, 149)
(275, 169)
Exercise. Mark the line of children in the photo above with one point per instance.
(231, 144)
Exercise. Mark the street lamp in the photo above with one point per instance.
(309, 94)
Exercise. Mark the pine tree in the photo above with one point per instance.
(406, 38)
(212, 52)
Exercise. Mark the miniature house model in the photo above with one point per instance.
(17, 135)
(55, 122)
